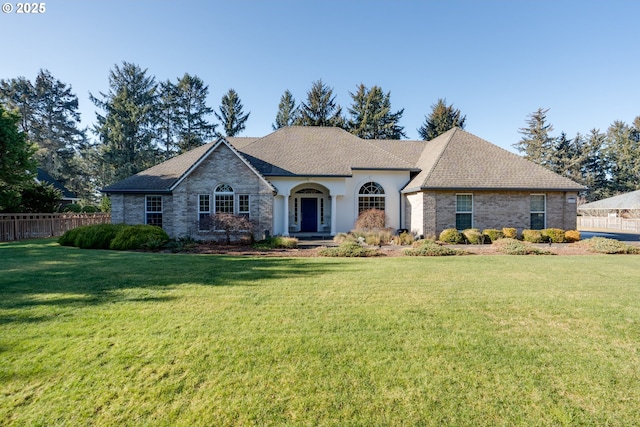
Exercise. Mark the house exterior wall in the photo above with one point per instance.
(491, 209)
(180, 208)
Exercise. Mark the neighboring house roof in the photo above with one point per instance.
(454, 160)
(164, 177)
(460, 160)
(622, 201)
(43, 176)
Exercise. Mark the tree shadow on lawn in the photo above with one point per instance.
(43, 273)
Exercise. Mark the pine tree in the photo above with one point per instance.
(17, 167)
(232, 118)
(127, 128)
(191, 109)
(536, 142)
(623, 154)
(288, 112)
(595, 167)
(167, 118)
(320, 108)
(51, 120)
(371, 116)
(442, 118)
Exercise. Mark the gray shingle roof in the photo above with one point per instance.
(454, 160)
(460, 160)
(318, 151)
(622, 201)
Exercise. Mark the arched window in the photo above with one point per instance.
(224, 199)
(370, 196)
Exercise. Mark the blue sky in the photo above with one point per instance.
(497, 61)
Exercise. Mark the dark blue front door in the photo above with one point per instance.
(309, 213)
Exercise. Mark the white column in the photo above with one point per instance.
(334, 215)
(286, 215)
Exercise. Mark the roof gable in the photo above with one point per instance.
(165, 176)
(460, 160)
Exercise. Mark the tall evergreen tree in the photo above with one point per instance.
(288, 112)
(193, 129)
(127, 128)
(232, 117)
(623, 154)
(371, 116)
(536, 142)
(442, 118)
(568, 156)
(321, 108)
(51, 120)
(595, 166)
(167, 118)
(17, 167)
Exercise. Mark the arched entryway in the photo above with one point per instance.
(309, 209)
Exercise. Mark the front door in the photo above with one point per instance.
(309, 214)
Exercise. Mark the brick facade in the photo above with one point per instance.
(491, 209)
(180, 208)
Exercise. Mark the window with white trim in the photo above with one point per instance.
(153, 210)
(371, 196)
(243, 205)
(204, 211)
(538, 212)
(464, 211)
(224, 199)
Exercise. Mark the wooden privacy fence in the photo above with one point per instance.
(32, 226)
(629, 225)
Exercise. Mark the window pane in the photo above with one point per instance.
(371, 188)
(464, 203)
(224, 203)
(537, 203)
(463, 221)
(243, 203)
(224, 188)
(204, 203)
(537, 221)
(370, 202)
(154, 203)
(154, 219)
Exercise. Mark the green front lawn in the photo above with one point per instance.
(116, 338)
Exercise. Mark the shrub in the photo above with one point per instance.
(404, 239)
(510, 246)
(571, 236)
(69, 237)
(280, 242)
(182, 244)
(90, 209)
(510, 233)
(97, 236)
(473, 236)
(451, 235)
(553, 235)
(136, 236)
(371, 220)
(431, 248)
(533, 236)
(348, 249)
(491, 235)
(231, 225)
(603, 245)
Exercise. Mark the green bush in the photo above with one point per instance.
(451, 235)
(348, 249)
(277, 242)
(510, 246)
(534, 236)
(136, 236)
(431, 248)
(69, 237)
(553, 235)
(571, 236)
(603, 245)
(72, 207)
(510, 233)
(97, 236)
(491, 235)
(473, 236)
(90, 209)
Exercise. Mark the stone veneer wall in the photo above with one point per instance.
(180, 209)
(491, 209)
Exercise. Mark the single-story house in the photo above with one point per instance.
(317, 180)
(626, 204)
